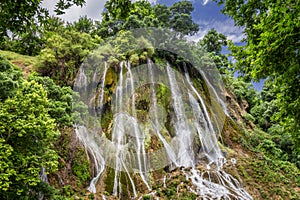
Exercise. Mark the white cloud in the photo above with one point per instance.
(204, 2)
(151, 1)
(92, 9)
(198, 36)
(236, 38)
(226, 27)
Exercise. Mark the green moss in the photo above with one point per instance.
(134, 59)
(110, 80)
(186, 196)
(91, 196)
(63, 144)
(81, 167)
(106, 119)
(163, 95)
(67, 190)
(146, 197)
(109, 181)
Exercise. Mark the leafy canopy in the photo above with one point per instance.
(26, 135)
(19, 15)
(272, 30)
(23, 24)
(125, 15)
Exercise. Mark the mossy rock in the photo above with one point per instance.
(111, 80)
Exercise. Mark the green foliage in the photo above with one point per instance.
(146, 197)
(275, 179)
(46, 191)
(271, 50)
(27, 132)
(186, 196)
(264, 112)
(163, 14)
(81, 167)
(248, 117)
(13, 57)
(84, 25)
(60, 100)
(181, 19)
(27, 43)
(213, 43)
(63, 54)
(243, 90)
(118, 9)
(266, 107)
(25, 20)
(10, 78)
(54, 25)
(17, 16)
(124, 46)
(125, 15)
(67, 190)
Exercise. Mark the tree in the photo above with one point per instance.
(26, 136)
(272, 50)
(16, 16)
(63, 54)
(124, 15)
(213, 43)
(181, 19)
(117, 9)
(22, 25)
(84, 25)
(10, 78)
(60, 100)
(163, 14)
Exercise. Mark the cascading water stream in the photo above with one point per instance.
(102, 87)
(182, 128)
(139, 135)
(226, 185)
(118, 133)
(88, 139)
(206, 135)
(81, 82)
(223, 104)
(170, 152)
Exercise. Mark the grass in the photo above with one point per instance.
(15, 57)
(25, 63)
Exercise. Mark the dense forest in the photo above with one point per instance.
(43, 72)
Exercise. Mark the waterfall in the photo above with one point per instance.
(43, 175)
(86, 137)
(223, 104)
(139, 137)
(90, 143)
(102, 87)
(170, 152)
(189, 139)
(81, 81)
(184, 135)
(207, 134)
